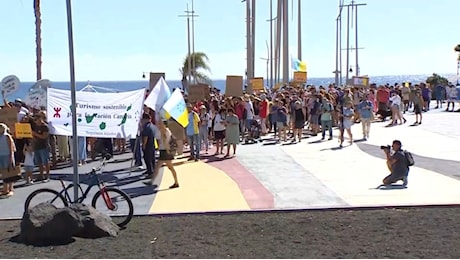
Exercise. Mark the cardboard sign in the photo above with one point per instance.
(196, 93)
(361, 82)
(9, 116)
(154, 78)
(10, 84)
(234, 86)
(23, 130)
(205, 89)
(300, 77)
(257, 84)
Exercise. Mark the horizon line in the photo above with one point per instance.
(332, 77)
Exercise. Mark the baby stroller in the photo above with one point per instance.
(255, 129)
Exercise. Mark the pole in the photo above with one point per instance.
(248, 41)
(271, 44)
(340, 49)
(73, 97)
(285, 41)
(279, 22)
(193, 44)
(299, 32)
(336, 52)
(356, 40)
(253, 37)
(348, 45)
(189, 62)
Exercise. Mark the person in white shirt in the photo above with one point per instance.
(219, 130)
(28, 161)
(395, 101)
(249, 112)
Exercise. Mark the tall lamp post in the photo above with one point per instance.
(73, 97)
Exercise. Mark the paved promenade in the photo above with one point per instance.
(310, 174)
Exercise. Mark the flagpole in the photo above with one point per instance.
(76, 180)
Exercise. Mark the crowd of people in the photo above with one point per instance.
(223, 122)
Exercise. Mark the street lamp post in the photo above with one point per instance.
(73, 97)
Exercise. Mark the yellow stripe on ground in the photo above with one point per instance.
(202, 188)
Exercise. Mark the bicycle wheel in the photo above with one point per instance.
(45, 195)
(122, 210)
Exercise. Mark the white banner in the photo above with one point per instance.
(104, 115)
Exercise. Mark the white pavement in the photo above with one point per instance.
(354, 172)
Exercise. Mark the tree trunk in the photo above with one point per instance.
(38, 39)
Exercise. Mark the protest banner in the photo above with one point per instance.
(23, 130)
(9, 116)
(154, 78)
(360, 82)
(196, 93)
(103, 115)
(300, 77)
(257, 84)
(205, 89)
(234, 86)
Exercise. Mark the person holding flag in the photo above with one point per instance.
(193, 133)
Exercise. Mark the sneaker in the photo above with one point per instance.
(46, 180)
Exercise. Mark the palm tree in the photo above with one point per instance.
(457, 48)
(199, 66)
(38, 39)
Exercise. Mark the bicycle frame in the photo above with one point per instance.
(94, 181)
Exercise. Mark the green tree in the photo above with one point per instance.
(436, 79)
(199, 62)
(38, 38)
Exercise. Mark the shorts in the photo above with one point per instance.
(417, 110)
(299, 124)
(281, 125)
(165, 156)
(4, 161)
(28, 168)
(42, 156)
(314, 119)
(219, 135)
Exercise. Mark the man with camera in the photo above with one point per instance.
(397, 164)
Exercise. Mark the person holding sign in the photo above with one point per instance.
(40, 133)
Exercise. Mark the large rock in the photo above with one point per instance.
(45, 224)
(95, 223)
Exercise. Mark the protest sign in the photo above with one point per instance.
(23, 130)
(234, 86)
(10, 84)
(103, 115)
(9, 116)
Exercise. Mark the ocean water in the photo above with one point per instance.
(114, 86)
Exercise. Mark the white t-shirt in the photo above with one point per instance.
(395, 100)
(161, 145)
(29, 159)
(218, 123)
(211, 117)
(249, 108)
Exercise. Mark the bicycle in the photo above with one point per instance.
(101, 199)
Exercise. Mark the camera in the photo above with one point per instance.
(383, 147)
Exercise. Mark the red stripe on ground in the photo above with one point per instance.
(257, 196)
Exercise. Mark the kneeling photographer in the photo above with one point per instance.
(397, 164)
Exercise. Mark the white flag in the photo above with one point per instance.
(158, 96)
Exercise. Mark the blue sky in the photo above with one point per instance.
(119, 39)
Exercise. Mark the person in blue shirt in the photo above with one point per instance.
(440, 92)
(148, 143)
(193, 133)
(366, 108)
